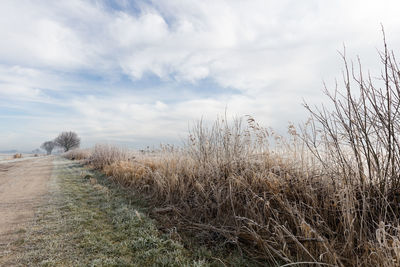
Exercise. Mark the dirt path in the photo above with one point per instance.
(56, 212)
(22, 186)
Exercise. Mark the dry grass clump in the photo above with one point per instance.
(77, 154)
(104, 155)
(127, 173)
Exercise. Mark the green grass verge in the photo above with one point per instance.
(88, 224)
(90, 221)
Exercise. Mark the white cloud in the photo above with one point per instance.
(192, 40)
(272, 53)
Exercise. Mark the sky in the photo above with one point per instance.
(139, 73)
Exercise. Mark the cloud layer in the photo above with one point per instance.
(138, 72)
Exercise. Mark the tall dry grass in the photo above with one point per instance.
(229, 185)
(328, 194)
(78, 154)
(104, 155)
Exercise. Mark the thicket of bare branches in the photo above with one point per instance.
(358, 145)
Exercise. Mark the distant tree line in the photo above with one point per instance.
(65, 140)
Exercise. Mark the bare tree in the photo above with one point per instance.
(67, 141)
(48, 146)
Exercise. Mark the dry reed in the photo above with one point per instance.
(78, 154)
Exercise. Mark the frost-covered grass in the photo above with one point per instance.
(89, 221)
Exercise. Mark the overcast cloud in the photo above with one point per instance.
(138, 72)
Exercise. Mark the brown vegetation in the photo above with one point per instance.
(17, 156)
(78, 154)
